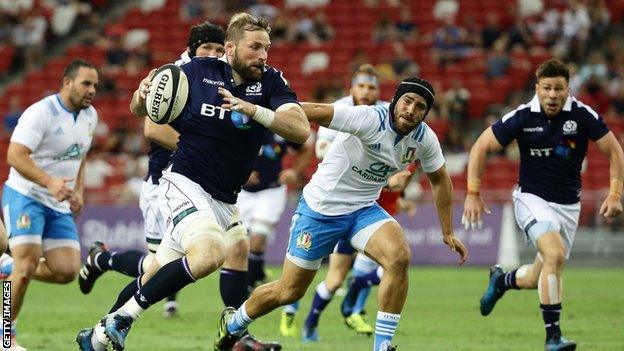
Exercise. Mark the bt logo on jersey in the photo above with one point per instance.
(541, 152)
(238, 119)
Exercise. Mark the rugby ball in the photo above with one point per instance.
(168, 94)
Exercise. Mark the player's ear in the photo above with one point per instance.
(65, 82)
(230, 47)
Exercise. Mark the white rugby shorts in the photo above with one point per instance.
(153, 221)
(530, 208)
(181, 201)
(265, 205)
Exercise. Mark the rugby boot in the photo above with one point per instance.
(89, 272)
(491, 294)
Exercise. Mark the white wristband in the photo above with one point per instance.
(264, 116)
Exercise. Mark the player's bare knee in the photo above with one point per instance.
(237, 253)
(65, 276)
(257, 243)
(334, 281)
(555, 256)
(288, 296)
(25, 268)
(399, 260)
(202, 263)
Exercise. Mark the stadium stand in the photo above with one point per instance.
(492, 57)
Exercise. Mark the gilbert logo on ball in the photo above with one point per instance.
(168, 94)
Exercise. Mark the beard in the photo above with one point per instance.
(250, 72)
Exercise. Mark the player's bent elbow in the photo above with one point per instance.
(300, 135)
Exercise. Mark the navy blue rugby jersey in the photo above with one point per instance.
(551, 150)
(269, 163)
(218, 148)
(158, 159)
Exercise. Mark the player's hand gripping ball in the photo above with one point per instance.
(167, 94)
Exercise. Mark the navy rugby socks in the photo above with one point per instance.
(128, 263)
(233, 287)
(551, 313)
(169, 279)
(256, 268)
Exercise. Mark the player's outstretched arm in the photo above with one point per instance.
(610, 147)
(287, 121)
(443, 197)
(162, 134)
(474, 206)
(319, 113)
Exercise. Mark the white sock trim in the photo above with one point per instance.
(131, 308)
(323, 291)
(387, 316)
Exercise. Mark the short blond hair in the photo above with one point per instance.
(242, 22)
(366, 68)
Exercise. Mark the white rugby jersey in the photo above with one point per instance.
(59, 139)
(358, 164)
(328, 135)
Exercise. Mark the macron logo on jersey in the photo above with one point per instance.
(213, 82)
(59, 131)
(533, 130)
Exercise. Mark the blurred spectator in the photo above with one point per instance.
(520, 33)
(445, 9)
(29, 37)
(402, 64)
(596, 66)
(192, 10)
(576, 82)
(12, 114)
(600, 18)
(282, 29)
(360, 57)
(65, 13)
(617, 102)
(303, 27)
(15, 7)
(498, 61)
(116, 54)
(549, 29)
(384, 67)
(262, 8)
(322, 31)
(449, 43)
(314, 61)
(457, 98)
(328, 90)
(134, 172)
(528, 8)
(576, 26)
(491, 31)
(405, 27)
(151, 5)
(384, 29)
(306, 3)
(97, 169)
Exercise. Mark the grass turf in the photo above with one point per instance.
(441, 313)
